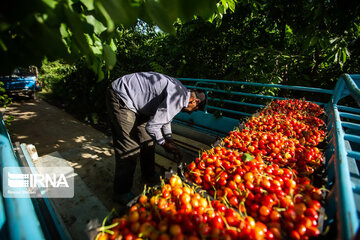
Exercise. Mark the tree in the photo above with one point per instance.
(69, 29)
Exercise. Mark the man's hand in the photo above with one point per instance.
(170, 147)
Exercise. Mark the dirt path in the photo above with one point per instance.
(48, 127)
(51, 129)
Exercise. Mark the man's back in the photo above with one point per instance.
(145, 92)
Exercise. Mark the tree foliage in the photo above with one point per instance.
(70, 29)
(299, 42)
(296, 42)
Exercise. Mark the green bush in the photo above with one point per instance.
(53, 73)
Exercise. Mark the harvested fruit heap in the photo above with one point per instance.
(178, 211)
(264, 170)
(257, 185)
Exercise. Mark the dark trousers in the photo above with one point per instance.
(130, 141)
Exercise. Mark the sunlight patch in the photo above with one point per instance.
(80, 139)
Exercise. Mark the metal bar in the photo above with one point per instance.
(347, 216)
(20, 213)
(237, 93)
(355, 76)
(237, 103)
(298, 88)
(339, 87)
(354, 154)
(230, 111)
(352, 138)
(356, 188)
(349, 109)
(352, 87)
(245, 94)
(350, 116)
(201, 129)
(350, 125)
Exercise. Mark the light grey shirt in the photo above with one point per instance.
(156, 95)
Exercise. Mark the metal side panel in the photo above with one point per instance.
(21, 219)
(50, 219)
(207, 123)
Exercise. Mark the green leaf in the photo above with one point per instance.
(333, 40)
(336, 59)
(313, 41)
(232, 5)
(207, 9)
(122, 12)
(247, 157)
(78, 27)
(3, 46)
(159, 15)
(64, 31)
(343, 55)
(322, 43)
(171, 8)
(221, 10)
(89, 4)
(51, 3)
(289, 30)
(357, 30)
(109, 56)
(113, 45)
(98, 26)
(347, 52)
(109, 22)
(95, 44)
(101, 75)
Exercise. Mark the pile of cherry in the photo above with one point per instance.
(177, 211)
(257, 185)
(265, 170)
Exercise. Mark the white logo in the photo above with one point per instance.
(36, 180)
(18, 180)
(52, 182)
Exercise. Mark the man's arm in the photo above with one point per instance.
(154, 130)
(159, 126)
(161, 133)
(166, 130)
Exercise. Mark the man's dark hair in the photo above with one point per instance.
(200, 94)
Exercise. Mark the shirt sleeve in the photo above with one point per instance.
(154, 131)
(166, 130)
(159, 123)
